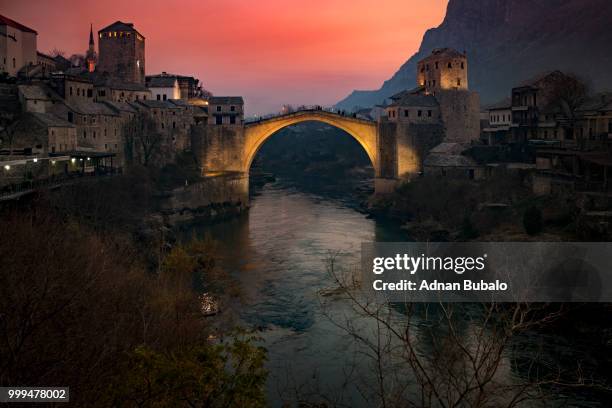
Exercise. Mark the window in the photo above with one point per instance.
(458, 81)
(173, 125)
(158, 97)
(165, 97)
(233, 108)
(406, 113)
(434, 82)
(420, 113)
(14, 62)
(78, 91)
(427, 67)
(429, 113)
(462, 66)
(450, 65)
(90, 93)
(70, 117)
(218, 120)
(94, 134)
(70, 91)
(218, 108)
(84, 134)
(436, 65)
(233, 120)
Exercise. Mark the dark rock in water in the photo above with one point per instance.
(508, 41)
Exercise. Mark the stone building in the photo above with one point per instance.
(111, 89)
(121, 52)
(47, 63)
(225, 110)
(444, 74)
(444, 69)
(39, 134)
(164, 87)
(173, 120)
(534, 115)
(98, 126)
(34, 98)
(498, 122)
(440, 109)
(17, 46)
(72, 87)
(594, 124)
(188, 85)
(413, 107)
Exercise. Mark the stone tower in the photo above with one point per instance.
(444, 74)
(444, 69)
(122, 52)
(90, 55)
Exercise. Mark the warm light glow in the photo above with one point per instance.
(7, 167)
(73, 160)
(35, 160)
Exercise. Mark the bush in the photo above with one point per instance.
(532, 221)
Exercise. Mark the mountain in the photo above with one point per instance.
(508, 41)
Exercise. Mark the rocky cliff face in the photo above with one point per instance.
(508, 41)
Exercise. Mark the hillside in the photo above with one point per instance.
(511, 40)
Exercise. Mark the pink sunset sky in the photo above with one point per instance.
(269, 51)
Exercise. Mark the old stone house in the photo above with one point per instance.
(225, 110)
(17, 46)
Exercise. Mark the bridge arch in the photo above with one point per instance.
(256, 133)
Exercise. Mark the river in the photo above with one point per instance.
(278, 254)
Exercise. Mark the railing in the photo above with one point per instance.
(28, 186)
(302, 108)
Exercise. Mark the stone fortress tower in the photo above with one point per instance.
(444, 69)
(440, 110)
(122, 52)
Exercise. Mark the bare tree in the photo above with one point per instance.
(141, 139)
(448, 355)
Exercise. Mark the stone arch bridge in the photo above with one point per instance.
(227, 151)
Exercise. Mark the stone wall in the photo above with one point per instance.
(214, 197)
(414, 141)
(218, 148)
(460, 114)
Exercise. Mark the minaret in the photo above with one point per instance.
(91, 52)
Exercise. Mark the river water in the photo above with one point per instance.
(278, 253)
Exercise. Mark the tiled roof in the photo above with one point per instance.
(225, 100)
(443, 52)
(599, 102)
(152, 103)
(48, 119)
(448, 148)
(119, 26)
(120, 106)
(409, 99)
(34, 92)
(12, 23)
(505, 103)
(535, 80)
(161, 82)
(90, 108)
